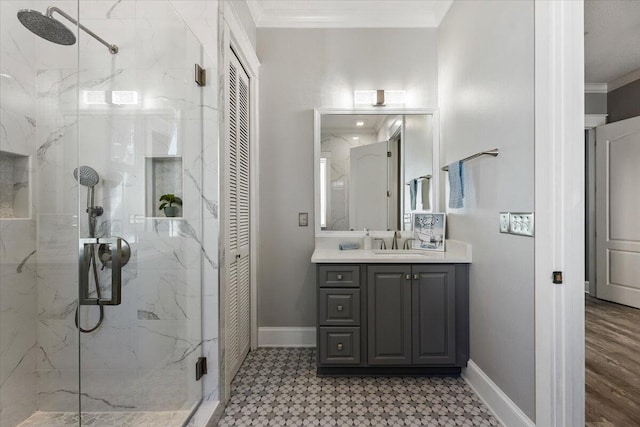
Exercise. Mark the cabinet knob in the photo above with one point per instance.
(339, 346)
(416, 276)
(408, 277)
(339, 308)
(339, 277)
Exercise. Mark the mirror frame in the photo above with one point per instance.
(317, 130)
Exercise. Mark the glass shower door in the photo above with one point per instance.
(139, 141)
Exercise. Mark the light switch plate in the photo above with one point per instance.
(303, 219)
(504, 222)
(521, 223)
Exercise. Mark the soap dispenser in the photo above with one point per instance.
(367, 240)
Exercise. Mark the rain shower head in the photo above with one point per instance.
(86, 176)
(46, 26)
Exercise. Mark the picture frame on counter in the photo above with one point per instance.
(429, 231)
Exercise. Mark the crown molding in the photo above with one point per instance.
(348, 13)
(624, 80)
(595, 88)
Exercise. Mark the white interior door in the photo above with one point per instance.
(367, 187)
(617, 210)
(236, 190)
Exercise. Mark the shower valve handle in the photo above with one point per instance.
(87, 245)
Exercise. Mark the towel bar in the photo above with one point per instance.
(493, 153)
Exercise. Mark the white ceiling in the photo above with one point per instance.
(612, 39)
(612, 27)
(348, 13)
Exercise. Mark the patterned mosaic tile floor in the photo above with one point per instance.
(107, 419)
(278, 386)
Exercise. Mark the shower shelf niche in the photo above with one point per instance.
(163, 176)
(15, 185)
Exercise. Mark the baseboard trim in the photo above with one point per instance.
(503, 408)
(286, 337)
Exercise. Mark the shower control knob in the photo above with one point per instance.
(104, 254)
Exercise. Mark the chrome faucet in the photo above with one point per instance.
(407, 243)
(396, 236)
(383, 245)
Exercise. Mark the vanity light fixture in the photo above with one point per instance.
(355, 138)
(359, 123)
(379, 98)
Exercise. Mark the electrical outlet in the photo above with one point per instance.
(521, 223)
(504, 222)
(303, 219)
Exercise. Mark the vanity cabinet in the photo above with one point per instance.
(412, 319)
(389, 314)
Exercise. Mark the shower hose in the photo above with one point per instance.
(98, 292)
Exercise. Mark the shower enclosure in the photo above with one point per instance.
(100, 293)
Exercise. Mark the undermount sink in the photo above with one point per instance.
(401, 252)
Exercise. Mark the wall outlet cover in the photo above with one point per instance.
(504, 222)
(303, 219)
(521, 223)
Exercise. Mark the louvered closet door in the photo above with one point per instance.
(237, 262)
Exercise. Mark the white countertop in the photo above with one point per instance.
(457, 252)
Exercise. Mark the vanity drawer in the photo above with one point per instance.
(340, 346)
(339, 307)
(339, 276)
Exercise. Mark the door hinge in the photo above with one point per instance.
(200, 75)
(201, 368)
(388, 153)
(388, 193)
(557, 277)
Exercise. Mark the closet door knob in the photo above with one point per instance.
(416, 276)
(339, 346)
(408, 277)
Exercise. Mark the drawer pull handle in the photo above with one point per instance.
(339, 276)
(339, 346)
(408, 277)
(416, 277)
(339, 308)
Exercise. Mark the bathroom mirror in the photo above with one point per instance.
(374, 169)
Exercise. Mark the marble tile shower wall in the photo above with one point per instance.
(18, 292)
(143, 356)
(203, 18)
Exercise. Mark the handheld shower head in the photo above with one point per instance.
(86, 176)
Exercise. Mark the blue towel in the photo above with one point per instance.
(347, 246)
(456, 185)
(413, 189)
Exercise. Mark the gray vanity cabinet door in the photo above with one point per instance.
(433, 311)
(389, 314)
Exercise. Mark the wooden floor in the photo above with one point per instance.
(612, 359)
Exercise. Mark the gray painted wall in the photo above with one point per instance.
(595, 103)
(486, 82)
(302, 69)
(623, 103)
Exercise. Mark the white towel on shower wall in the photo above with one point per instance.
(456, 185)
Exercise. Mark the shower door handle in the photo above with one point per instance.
(86, 246)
